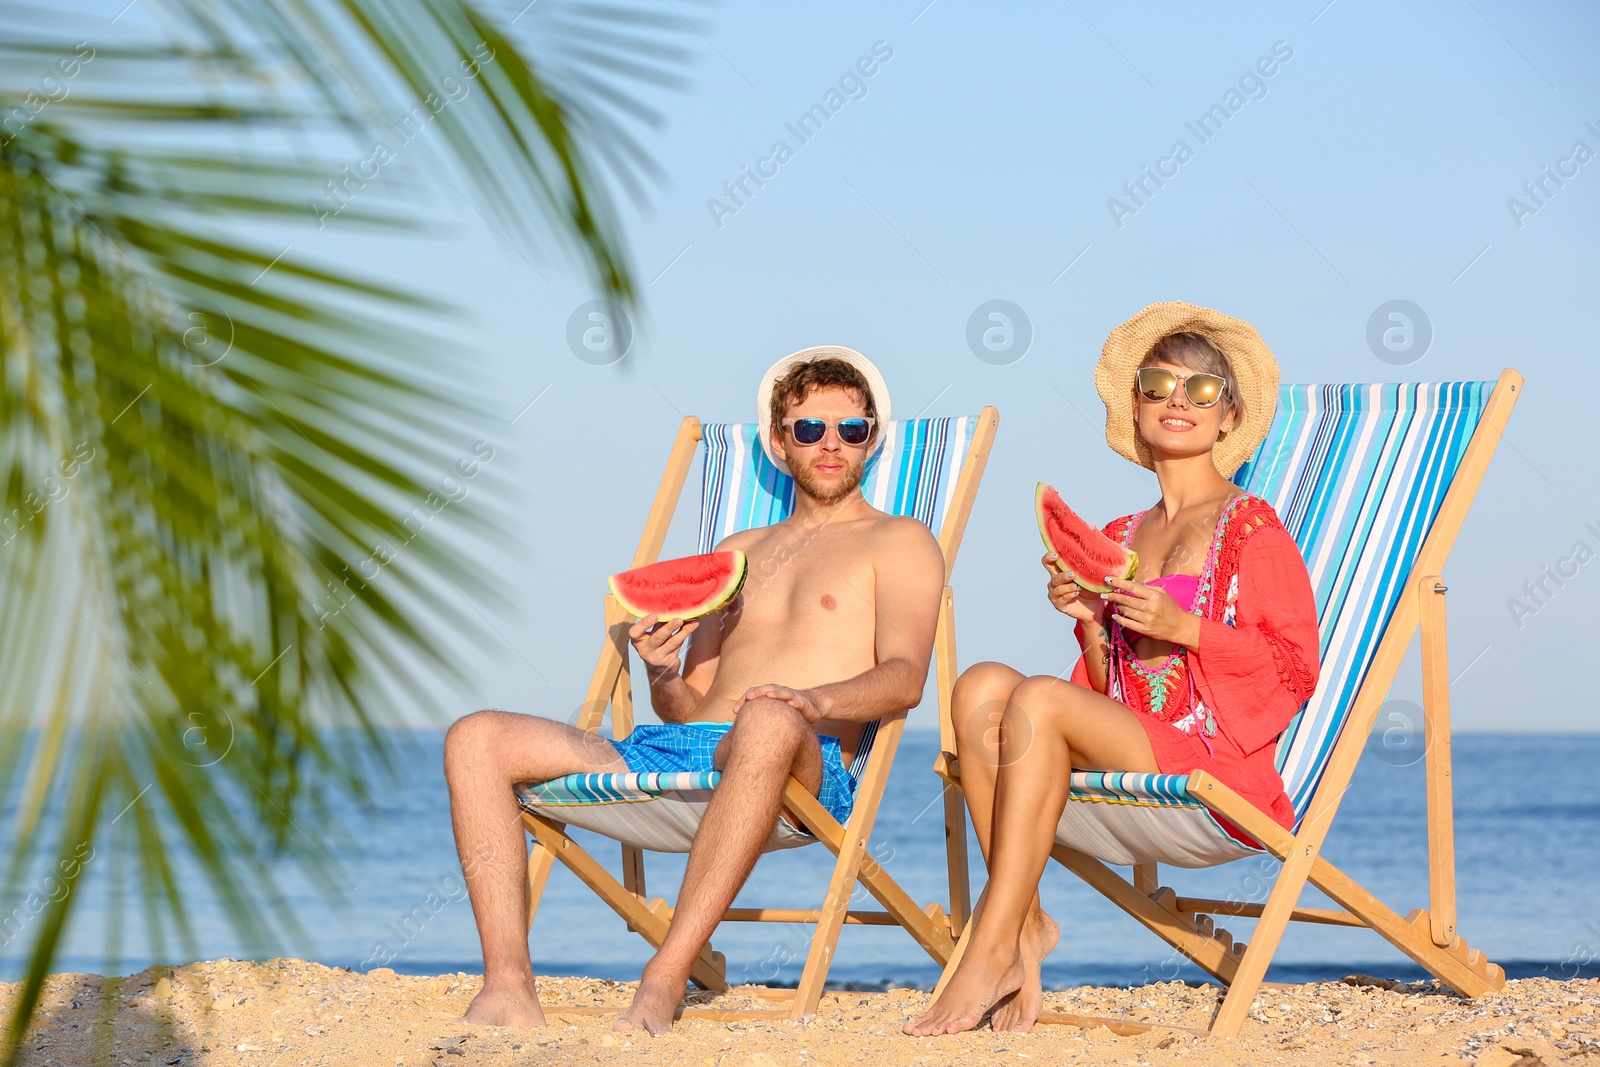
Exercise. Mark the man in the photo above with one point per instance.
(833, 630)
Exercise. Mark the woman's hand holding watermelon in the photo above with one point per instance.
(1148, 610)
(1068, 596)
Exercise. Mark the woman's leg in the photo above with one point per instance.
(1049, 728)
(977, 712)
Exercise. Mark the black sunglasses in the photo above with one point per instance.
(809, 431)
(1203, 390)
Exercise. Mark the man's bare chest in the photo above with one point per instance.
(796, 574)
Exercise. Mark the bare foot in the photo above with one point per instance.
(976, 986)
(506, 1005)
(1018, 1012)
(653, 1006)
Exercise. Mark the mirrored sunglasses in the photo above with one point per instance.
(1203, 390)
(809, 431)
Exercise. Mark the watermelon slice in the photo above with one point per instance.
(1089, 554)
(684, 588)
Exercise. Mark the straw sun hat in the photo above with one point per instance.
(1255, 378)
(875, 383)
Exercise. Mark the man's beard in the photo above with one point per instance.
(808, 483)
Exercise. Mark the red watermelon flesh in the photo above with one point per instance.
(684, 588)
(1089, 554)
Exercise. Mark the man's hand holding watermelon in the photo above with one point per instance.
(659, 644)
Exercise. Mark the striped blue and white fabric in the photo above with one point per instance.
(914, 473)
(578, 789)
(1357, 474)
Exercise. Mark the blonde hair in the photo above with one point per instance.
(1198, 353)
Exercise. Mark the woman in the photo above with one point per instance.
(1197, 664)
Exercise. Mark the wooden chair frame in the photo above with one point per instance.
(1427, 935)
(932, 927)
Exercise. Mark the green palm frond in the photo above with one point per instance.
(222, 462)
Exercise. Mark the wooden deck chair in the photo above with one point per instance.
(928, 468)
(1373, 482)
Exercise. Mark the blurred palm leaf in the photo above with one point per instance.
(220, 462)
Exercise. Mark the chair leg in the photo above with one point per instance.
(960, 950)
(955, 805)
(708, 970)
(1274, 920)
(926, 926)
(955, 846)
(1147, 877)
(1459, 966)
(1440, 788)
(1212, 952)
(842, 886)
(540, 861)
(633, 872)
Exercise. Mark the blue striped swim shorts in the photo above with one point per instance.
(689, 746)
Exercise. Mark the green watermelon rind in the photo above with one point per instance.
(715, 602)
(1088, 583)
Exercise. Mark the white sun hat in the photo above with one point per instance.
(875, 383)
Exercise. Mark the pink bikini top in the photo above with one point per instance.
(1182, 588)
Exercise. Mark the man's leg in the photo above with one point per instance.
(485, 755)
(769, 742)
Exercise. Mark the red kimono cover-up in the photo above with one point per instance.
(1255, 665)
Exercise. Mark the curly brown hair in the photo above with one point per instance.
(798, 384)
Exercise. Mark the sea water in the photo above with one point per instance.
(1527, 818)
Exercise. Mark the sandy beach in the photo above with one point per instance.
(290, 1012)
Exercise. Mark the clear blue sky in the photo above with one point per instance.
(1374, 164)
